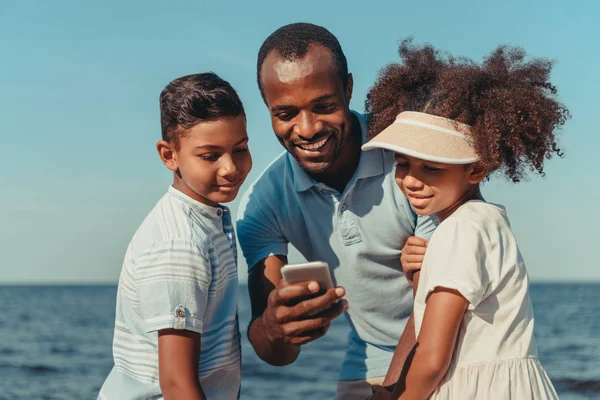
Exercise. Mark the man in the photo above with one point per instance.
(334, 204)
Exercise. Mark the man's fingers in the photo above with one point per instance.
(299, 327)
(317, 304)
(308, 336)
(292, 293)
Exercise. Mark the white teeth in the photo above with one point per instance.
(314, 146)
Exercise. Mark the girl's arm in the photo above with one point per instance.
(437, 338)
(178, 357)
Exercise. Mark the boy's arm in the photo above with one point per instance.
(178, 358)
(435, 344)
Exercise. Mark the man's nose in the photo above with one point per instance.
(308, 125)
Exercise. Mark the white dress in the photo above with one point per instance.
(474, 251)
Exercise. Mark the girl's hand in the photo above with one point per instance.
(380, 393)
(412, 256)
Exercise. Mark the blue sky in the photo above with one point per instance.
(79, 86)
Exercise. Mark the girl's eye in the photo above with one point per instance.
(401, 165)
(241, 149)
(432, 169)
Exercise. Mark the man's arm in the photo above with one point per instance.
(178, 357)
(286, 316)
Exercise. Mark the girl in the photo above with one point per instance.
(452, 122)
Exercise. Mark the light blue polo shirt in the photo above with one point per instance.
(359, 233)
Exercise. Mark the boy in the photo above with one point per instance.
(176, 328)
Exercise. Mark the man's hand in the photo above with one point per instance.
(294, 316)
(412, 256)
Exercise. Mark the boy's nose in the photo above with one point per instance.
(228, 167)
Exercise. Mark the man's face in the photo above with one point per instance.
(309, 107)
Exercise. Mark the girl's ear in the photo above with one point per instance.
(167, 155)
(477, 172)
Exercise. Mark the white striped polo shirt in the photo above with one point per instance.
(180, 271)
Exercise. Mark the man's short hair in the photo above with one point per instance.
(192, 99)
(292, 41)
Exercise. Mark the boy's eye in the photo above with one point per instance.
(430, 168)
(402, 165)
(209, 157)
(241, 149)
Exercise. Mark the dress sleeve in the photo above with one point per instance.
(258, 231)
(456, 259)
(172, 281)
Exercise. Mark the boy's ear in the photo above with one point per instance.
(477, 173)
(167, 155)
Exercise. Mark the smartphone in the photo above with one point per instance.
(317, 271)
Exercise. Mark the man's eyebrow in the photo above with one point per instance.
(324, 97)
(282, 107)
(285, 107)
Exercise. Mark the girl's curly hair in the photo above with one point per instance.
(509, 102)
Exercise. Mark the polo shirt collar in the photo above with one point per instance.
(371, 163)
(214, 213)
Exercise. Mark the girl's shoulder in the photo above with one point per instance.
(481, 214)
(476, 219)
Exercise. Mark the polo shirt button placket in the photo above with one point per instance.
(219, 212)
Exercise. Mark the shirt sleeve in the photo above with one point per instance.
(456, 259)
(426, 224)
(259, 233)
(172, 280)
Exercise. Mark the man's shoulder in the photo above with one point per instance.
(275, 179)
(278, 169)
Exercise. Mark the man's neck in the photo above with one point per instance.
(345, 166)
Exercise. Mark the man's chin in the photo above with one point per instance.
(315, 168)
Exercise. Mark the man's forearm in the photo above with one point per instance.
(405, 344)
(276, 353)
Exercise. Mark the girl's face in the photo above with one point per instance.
(436, 188)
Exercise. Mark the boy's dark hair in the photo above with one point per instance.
(509, 102)
(192, 99)
(292, 41)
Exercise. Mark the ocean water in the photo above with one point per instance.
(55, 343)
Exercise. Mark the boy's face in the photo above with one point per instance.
(434, 188)
(212, 161)
(309, 107)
